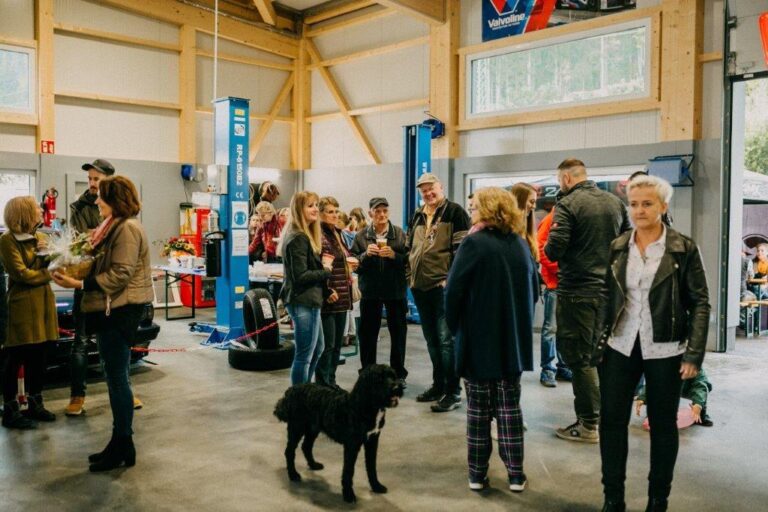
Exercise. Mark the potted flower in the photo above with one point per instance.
(177, 249)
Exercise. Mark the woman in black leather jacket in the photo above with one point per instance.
(657, 320)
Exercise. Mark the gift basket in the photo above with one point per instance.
(71, 254)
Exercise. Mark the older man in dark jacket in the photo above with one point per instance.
(586, 220)
(382, 253)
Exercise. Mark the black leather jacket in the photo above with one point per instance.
(679, 297)
(586, 220)
(305, 281)
(381, 278)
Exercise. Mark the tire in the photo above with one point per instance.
(259, 311)
(254, 359)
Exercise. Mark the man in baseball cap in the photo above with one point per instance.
(99, 165)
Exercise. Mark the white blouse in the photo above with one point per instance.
(636, 319)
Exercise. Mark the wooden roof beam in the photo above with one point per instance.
(429, 11)
(266, 11)
(335, 10)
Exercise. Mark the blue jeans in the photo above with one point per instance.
(78, 355)
(549, 334)
(308, 335)
(431, 305)
(116, 360)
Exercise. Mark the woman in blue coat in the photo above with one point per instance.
(490, 294)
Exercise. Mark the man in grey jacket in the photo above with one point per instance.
(586, 220)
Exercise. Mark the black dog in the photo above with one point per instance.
(352, 419)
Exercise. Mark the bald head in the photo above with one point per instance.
(570, 172)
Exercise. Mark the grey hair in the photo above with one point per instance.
(662, 187)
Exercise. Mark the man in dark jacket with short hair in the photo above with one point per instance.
(83, 217)
(383, 255)
(586, 221)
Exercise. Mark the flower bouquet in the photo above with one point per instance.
(71, 254)
(176, 249)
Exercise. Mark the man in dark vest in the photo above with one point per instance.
(83, 217)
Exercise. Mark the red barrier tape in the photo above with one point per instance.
(184, 349)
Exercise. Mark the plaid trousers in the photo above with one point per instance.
(499, 399)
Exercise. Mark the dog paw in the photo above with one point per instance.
(294, 476)
(378, 488)
(315, 466)
(349, 496)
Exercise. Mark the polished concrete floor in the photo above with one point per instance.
(207, 440)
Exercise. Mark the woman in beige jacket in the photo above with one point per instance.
(32, 320)
(116, 291)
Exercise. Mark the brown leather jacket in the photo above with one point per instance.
(122, 270)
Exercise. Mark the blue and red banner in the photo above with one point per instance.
(502, 18)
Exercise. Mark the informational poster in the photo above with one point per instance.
(239, 242)
(502, 18)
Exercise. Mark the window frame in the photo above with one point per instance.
(563, 112)
(32, 76)
(645, 23)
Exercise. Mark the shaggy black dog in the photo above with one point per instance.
(352, 419)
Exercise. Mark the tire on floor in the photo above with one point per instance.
(242, 357)
(258, 312)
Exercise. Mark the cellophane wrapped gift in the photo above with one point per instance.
(71, 254)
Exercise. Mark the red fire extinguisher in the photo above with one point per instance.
(763, 22)
(49, 206)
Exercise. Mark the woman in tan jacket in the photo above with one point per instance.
(116, 291)
(32, 320)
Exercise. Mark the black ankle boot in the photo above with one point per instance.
(37, 410)
(614, 506)
(656, 505)
(96, 457)
(122, 451)
(12, 418)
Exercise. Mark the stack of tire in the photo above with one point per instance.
(266, 350)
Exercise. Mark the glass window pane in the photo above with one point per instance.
(606, 66)
(13, 185)
(15, 79)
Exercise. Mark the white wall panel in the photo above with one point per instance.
(386, 130)
(322, 101)
(99, 17)
(471, 22)
(379, 32)
(333, 145)
(495, 141)
(205, 42)
(622, 130)
(136, 133)
(17, 19)
(554, 136)
(17, 138)
(360, 185)
(204, 138)
(260, 85)
(276, 149)
(713, 26)
(102, 67)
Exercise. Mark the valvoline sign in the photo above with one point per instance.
(502, 18)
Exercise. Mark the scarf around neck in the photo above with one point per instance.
(101, 231)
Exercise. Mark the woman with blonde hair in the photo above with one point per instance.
(305, 282)
(32, 320)
(489, 299)
(526, 195)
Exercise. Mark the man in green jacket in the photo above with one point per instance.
(83, 217)
(696, 390)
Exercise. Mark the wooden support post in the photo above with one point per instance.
(301, 131)
(258, 139)
(681, 75)
(333, 87)
(187, 95)
(46, 128)
(443, 80)
(266, 11)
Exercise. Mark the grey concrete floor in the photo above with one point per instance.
(207, 440)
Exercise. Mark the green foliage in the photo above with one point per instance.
(756, 152)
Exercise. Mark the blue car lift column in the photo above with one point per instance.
(417, 160)
(231, 143)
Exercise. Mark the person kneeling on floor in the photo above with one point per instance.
(697, 391)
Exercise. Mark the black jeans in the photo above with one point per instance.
(333, 325)
(579, 320)
(78, 355)
(619, 376)
(32, 356)
(431, 305)
(370, 323)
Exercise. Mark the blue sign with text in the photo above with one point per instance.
(502, 18)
